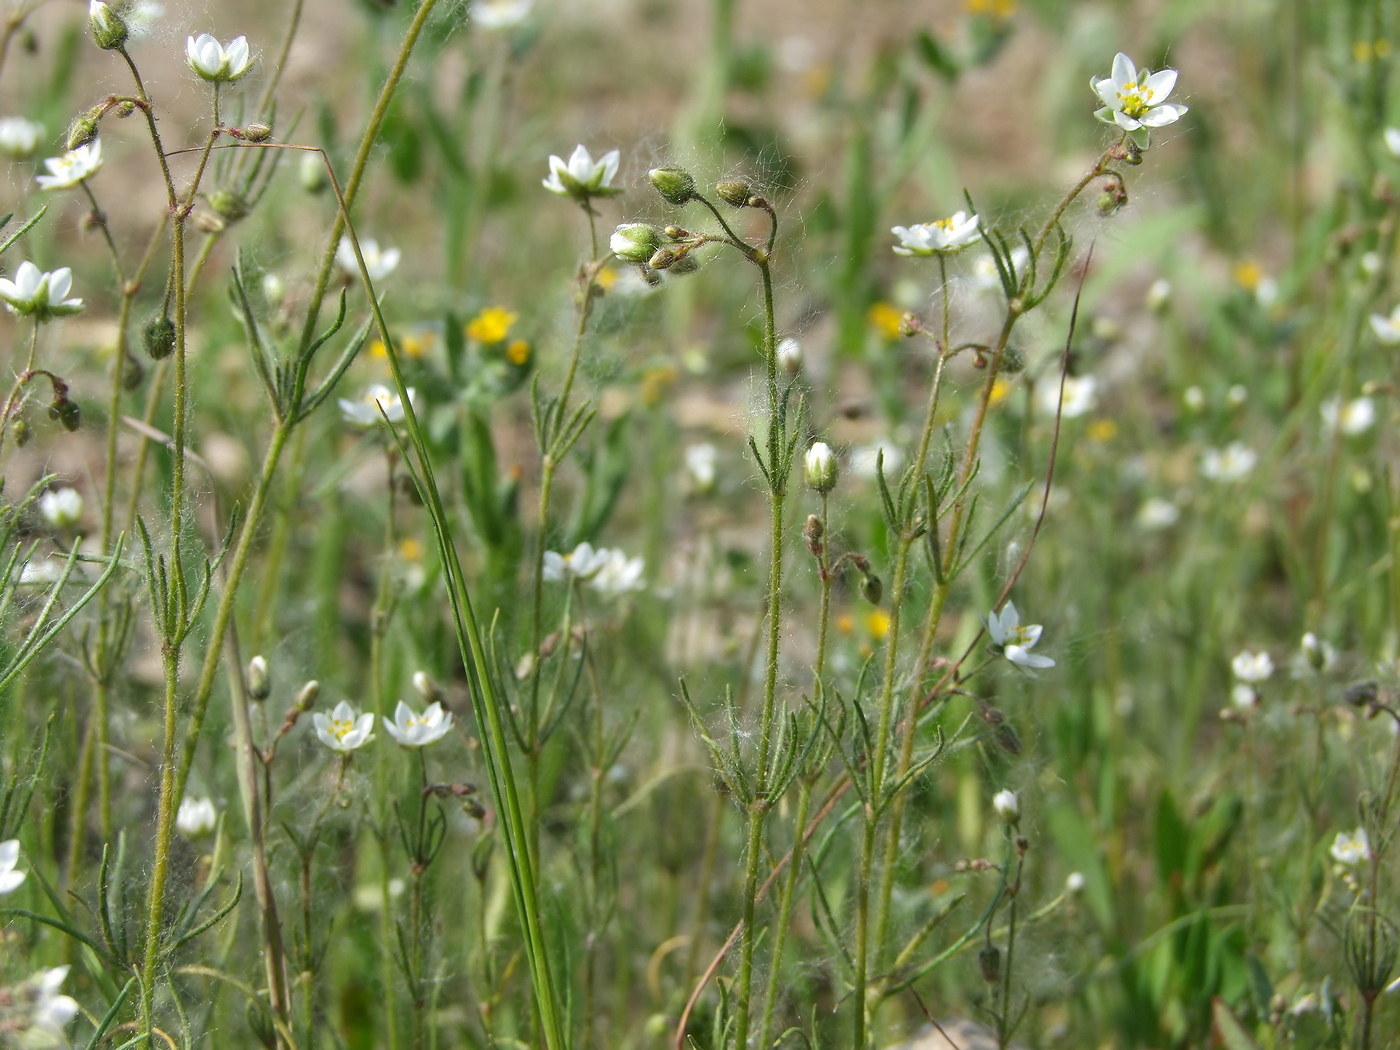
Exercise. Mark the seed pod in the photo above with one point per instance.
(989, 962)
(871, 589)
(734, 192)
(676, 185)
(159, 338)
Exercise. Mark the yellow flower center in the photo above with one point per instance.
(1134, 100)
(341, 729)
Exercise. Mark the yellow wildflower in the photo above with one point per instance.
(1103, 430)
(607, 277)
(1248, 274)
(877, 622)
(492, 325)
(1000, 10)
(887, 319)
(1000, 389)
(410, 549)
(845, 623)
(408, 345)
(518, 352)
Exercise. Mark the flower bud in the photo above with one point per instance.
(989, 962)
(259, 684)
(228, 205)
(1074, 884)
(676, 185)
(81, 132)
(871, 589)
(108, 30)
(306, 695)
(159, 338)
(1159, 296)
(790, 356)
(635, 242)
(812, 532)
(22, 433)
(1007, 806)
(734, 192)
(426, 687)
(257, 132)
(663, 259)
(820, 467)
(133, 372)
(68, 413)
(312, 173)
(1362, 694)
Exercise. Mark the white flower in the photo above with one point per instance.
(19, 138)
(412, 730)
(379, 262)
(1244, 697)
(700, 462)
(51, 1011)
(1080, 396)
(365, 412)
(1159, 296)
(10, 879)
(1074, 883)
(71, 168)
(583, 177)
(196, 817)
(1136, 100)
(1194, 398)
(790, 356)
(986, 277)
(619, 574)
(1236, 396)
(1387, 328)
(61, 508)
(942, 236)
(819, 467)
(1351, 849)
(1015, 641)
(42, 295)
(1228, 464)
(343, 730)
(499, 14)
(1252, 667)
(1392, 141)
(1355, 417)
(864, 460)
(214, 62)
(141, 17)
(1157, 513)
(1007, 805)
(582, 564)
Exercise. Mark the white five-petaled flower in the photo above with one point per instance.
(700, 464)
(942, 236)
(41, 295)
(1252, 667)
(619, 574)
(582, 177)
(987, 278)
(51, 1011)
(1007, 806)
(10, 879)
(379, 262)
(1352, 417)
(344, 730)
(883, 455)
(412, 730)
(1014, 640)
(580, 564)
(19, 138)
(1387, 327)
(499, 14)
(61, 508)
(1351, 848)
(1230, 463)
(1080, 396)
(196, 817)
(72, 168)
(366, 411)
(1074, 883)
(214, 62)
(1157, 513)
(1135, 100)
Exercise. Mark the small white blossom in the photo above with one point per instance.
(1007, 806)
(1230, 463)
(1352, 418)
(819, 467)
(1014, 641)
(1236, 396)
(1157, 513)
(344, 730)
(41, 295)
(412, 730)
(942, 236)
(987, 278)
(700, 464)
(379, 262)
(499, 14)
(634, 242)
(1252, 667)
(1194, 398)
(72, 168)
(196, 817)
(10, 879)
(1081, 395)
(214, 62)
(865, 459)
(19, 138)
(51, 1011)
(1387, 328)
(1244, 697)
(581, 564)
(61, 508)
(1135, 100)
(1159, 296)
(790, 356)
(1074, 883)
(365, 412)
(1351, 848)
(1392, 141)
(619, 575)
(583, 177)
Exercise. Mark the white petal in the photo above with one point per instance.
(394, 731)
(238, 58)
(581, 164)
(1124, 72)
(1161, 116)
(9, 854)
(1032, 634)
(1160, 84)
(1108, 91)
(610, 161)
(1125, 122)
(60, 282)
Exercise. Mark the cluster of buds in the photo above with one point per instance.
(63, 408)
(1113, 195)
(657, 247)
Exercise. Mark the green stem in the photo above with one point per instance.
(789, 894)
